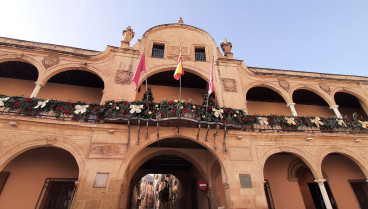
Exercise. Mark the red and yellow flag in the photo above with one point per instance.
(179, 68)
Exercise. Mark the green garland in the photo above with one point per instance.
(169, 109)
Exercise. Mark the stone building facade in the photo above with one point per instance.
(272, 139)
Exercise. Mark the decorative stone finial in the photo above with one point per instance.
(180, 21)
(226, 48)
(128, 35)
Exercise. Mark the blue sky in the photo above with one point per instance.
(329, 36)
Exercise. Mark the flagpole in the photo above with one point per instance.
(145, 72)
(211, 78)
(180, 75)
(180, 88)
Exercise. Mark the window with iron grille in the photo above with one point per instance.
(57, 193)
(200, 54)
(158, 50)
(268, 193)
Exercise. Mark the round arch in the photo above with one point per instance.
(284, 95)
(61, 68)
(345, 152)
(128, 168)
(166, 135)
(188, 68)
(24, 58)
(182, 26)
(328, 99)
(307, 159)
(19, 148)
(358, 95)
(145, 158)
(163, 68)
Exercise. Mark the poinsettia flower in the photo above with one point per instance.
(17, 104)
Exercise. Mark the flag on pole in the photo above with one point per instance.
(179, 68)
(210, 87)
(141, 67)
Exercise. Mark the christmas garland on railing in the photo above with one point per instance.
(169, 109)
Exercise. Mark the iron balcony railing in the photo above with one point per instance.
(200, 56)
(157, 53)
(177, 114)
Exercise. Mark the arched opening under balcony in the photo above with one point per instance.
(349, 104)
(164, 86)
(17, 78)
(175, 159)
(265, 101)
(346, 180)
(289, 183)
(73, 85)
(42, 177)
(308, 103)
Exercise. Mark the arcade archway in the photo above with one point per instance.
(42, 177)
(186, 160)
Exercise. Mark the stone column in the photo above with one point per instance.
(322, 187)
(36, 89)
(292, 108)
(336, 110)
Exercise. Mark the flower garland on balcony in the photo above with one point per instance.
(147, 109)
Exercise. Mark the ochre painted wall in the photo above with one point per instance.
(16, 87)
(345, 111)
(267, 108)
(73, 93)
(314, 110)
(28, 172)
(172, 93)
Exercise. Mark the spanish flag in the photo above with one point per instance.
(179, 69)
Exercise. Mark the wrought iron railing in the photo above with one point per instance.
(175, 113)
(157, 53)
(57, 193)
(200, 56)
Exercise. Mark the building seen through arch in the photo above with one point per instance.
(76, 132)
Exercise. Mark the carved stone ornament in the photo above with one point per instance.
(284, 85)
(106, 150)
(325, 88)
(229, 85)
(180, 21)
(50, 61)
(128, 34)
(123, 77)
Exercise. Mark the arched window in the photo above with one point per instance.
(74, 85)
(164, 86)
(349, 105)
(265, 101)
(17, 78)
(308, 103)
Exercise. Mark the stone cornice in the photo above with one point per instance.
(307, 75)
(57, 49)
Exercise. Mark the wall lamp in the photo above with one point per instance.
(309, 138)
(358, 140)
